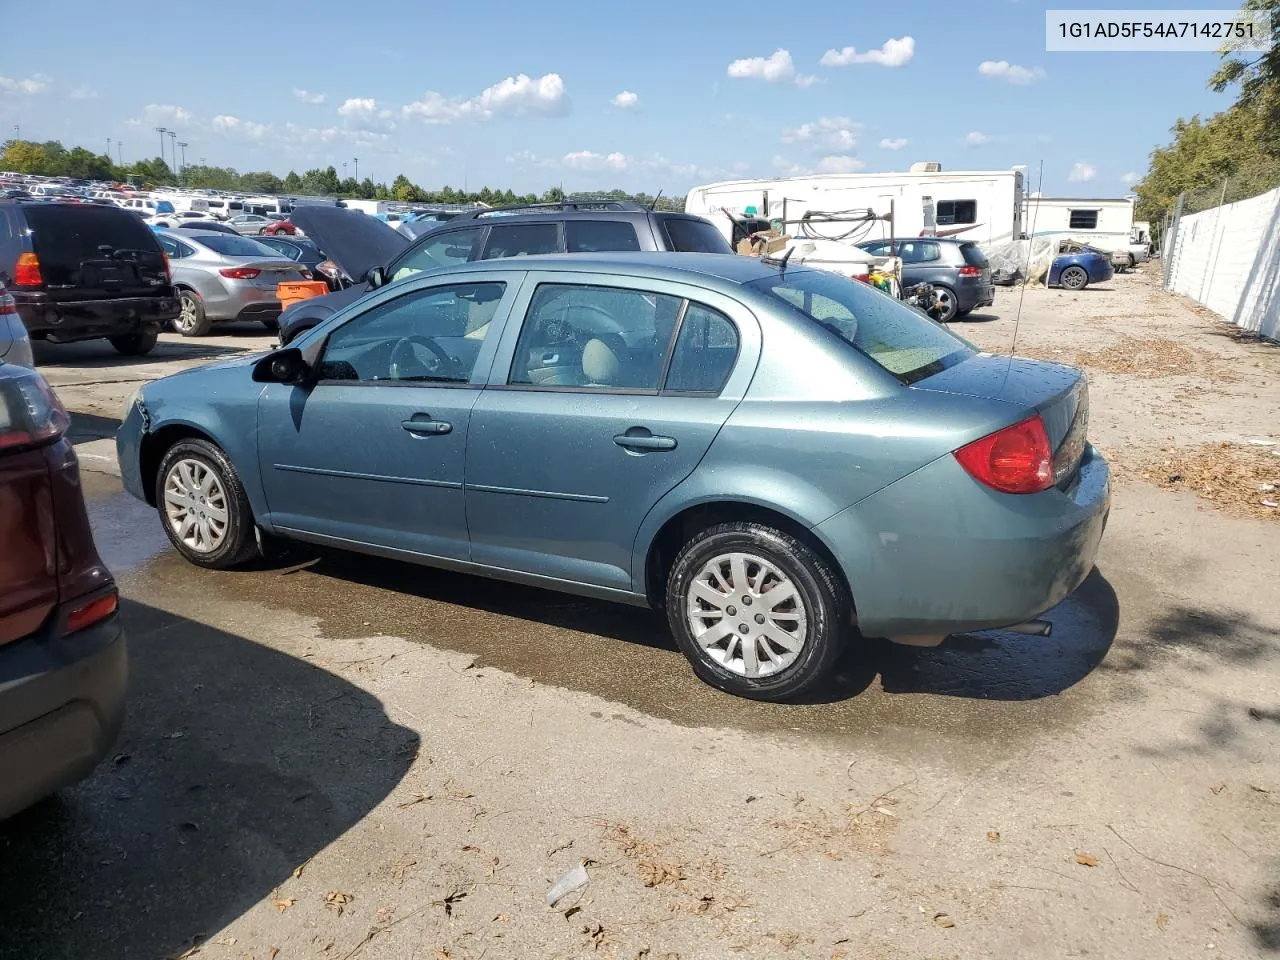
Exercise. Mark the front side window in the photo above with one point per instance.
(957, 211)
(596, 236)
(900, 340)
(428, 336)
(522, 240)
(1084, 220)
(441, 250)
(595, 338)
(704, 353)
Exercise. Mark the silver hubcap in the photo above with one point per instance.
(746, 615)
(187, 319)
(195, 505)
(1073, 278)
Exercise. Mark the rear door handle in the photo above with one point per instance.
(421, 424)
(644, 442)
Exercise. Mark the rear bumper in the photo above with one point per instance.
(61, 706)
(937, 553)
(243, 300)
(64, 321)
(972, 296)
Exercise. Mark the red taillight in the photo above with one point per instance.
(306, 274)
(970, 272)
(1017, 459)
(95, 611)
(30, 412)
(26, 273)
(864, 277)
(168, 272)
(240, 273)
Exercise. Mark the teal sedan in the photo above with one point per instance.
(781, 459)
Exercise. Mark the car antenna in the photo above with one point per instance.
(1026, 273)
(782, 264)
(654, 203)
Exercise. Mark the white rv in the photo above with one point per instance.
(1103, 223)
(983, 206)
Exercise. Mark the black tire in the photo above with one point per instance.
(135, 344)
(271, 323)
(1079, 278)
(192, 322)
(826, 604)
(947, 296)
(239, 543)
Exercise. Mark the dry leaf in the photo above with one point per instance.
(285, 903)
(942, 920)
(501, 918)
(1162, 920)
(416, 798)
(1218, 788)
(226, 941)
(272, 953)
(443, 954)
(993, 836)
(297, 871)
(337, 900)
(1085, 860)
(383, 915)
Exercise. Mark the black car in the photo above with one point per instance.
(300, 250)
(79, 271)
(957, 269)
(369, 254)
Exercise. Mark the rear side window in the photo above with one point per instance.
(522, 240)
(694, 236)
(704, 352)
(231, 245)
(595, 236)
(973, 255)
(68, 235)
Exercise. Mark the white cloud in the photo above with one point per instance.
(1131, 178)
(627, 100)
(302, 134)
(588, 160)
(893, 143)
(358, 107)
(315, 99)
(840, 164)
(363, 115)
(778, 67)
(523, 157)
(225, 123)
(36, 83)
(84, 92)
(518, 96)
(1011, 72)
(154, 113)
(975, 138)
(1082, 172)
(894, 53)
(787, 168)
(825, 133)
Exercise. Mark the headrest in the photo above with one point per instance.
(599, 363)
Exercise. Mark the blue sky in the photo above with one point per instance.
(527, 95)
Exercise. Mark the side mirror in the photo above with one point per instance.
(376, 277)
(282, 366)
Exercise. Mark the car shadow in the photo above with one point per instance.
(978, 317)
(100, 354)
(236, 764)
(89, 426)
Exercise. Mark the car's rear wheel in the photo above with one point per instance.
(1074, 278)
(758, 612)
(948, 305)
(192, 322)
(135, 344)
(203, 506)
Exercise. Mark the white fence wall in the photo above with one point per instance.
(1228, 258)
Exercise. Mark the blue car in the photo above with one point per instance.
(1075, 271)
(781, 459)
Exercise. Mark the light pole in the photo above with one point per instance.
(108, 149)
(17, 132)
(173, 150)
(162, 131)
(356, 162)
(120, 152)
(344, 170)
(182, 170)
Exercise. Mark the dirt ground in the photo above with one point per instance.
(337, 757)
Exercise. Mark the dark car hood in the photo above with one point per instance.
(354, 241)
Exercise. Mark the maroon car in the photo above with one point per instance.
(62, 649)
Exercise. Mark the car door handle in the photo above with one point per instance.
(644, 441)
(423, 425)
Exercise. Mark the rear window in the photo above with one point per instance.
(694, 236)
(901, 340)
(972, 255)
(594, 236)
(71, 234)
(235, 246)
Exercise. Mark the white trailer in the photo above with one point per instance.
(983, 206)
(1103, 223)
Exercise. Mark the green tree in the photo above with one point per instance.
(402, 188)
(366, 190)
(292, 183)
(23, 156)
(1258, 75)
(554, 195)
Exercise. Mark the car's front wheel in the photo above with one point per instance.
(1074, 278)
(203, 506)
(757, 611)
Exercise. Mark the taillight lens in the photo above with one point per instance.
(306, 274)
(30, 412)
(864, 276)
(1017, 459)
(240, 273)
(26, 273)
(95, 611)
(970, 272)
(168, 271)
(7, 304)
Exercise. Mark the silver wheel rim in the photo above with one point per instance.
(1073, 278)
(187, 319)
(746, 615)
(195, 505)
(947, 302)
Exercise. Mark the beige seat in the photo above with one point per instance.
(601, 365)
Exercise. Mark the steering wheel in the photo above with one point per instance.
(404, 356)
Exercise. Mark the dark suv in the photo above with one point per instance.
(956, 268)
(62, 649)
(369, 253)
(78, 271)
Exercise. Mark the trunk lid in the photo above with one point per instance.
(92, 252)
(1060, 394)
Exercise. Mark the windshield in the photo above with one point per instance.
(233, 245)
(901, 340)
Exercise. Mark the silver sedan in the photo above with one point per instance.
(220, 276)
